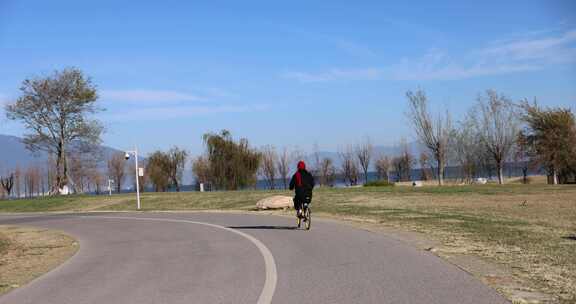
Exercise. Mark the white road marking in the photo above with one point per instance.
(270, 265)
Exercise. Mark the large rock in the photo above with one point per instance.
(275, 202)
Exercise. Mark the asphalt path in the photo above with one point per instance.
(237, 258)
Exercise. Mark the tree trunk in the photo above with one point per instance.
(440, 172)
(366, 176)
(58, 185)
(554, 176)
(500, 172)
(524, 175)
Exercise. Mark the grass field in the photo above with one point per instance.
(26, 253)
(528, 229)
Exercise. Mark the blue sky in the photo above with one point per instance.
(296, 73)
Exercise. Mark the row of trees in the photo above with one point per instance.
(31, 181)
(57, 112)
(496, 131)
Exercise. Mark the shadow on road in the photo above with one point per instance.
(264, 227)
(570, 237)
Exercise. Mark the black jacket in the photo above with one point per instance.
(305, 190)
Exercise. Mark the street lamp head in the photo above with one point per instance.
(127, 156)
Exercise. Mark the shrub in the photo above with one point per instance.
(379, 183)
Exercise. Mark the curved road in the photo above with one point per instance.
(232, 258)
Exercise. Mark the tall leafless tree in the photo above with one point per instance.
(55, 110)
(283, 165)
(498, 125)
(317, 161)
(425, 167)
(7, 182)
(117, 169)
(349, 167)
(327, 172)
(18, 182)
(433, 133)
(364, 152)
(268, 165)
(403, 163)
(383, 167)
(96, 180)
(467, 149)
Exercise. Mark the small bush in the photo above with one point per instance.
(379, 183)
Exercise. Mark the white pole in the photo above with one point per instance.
(137, 177)
(109, 187)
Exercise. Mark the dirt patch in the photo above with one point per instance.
(26, 253)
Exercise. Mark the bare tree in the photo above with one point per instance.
(383, 167)
(268, 165)
(315, 170)
(468, 152)
(349, 168)
(116, 169)
(7, 183)
(435, 134)
(176, 162)
(56, 109)
(498, 127)
(17, 182)
(403, 163)
(327, 172)
(364, 154)
(96, 179)
(283, 165)
(425, 167)
(31, 178)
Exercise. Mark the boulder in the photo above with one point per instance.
(275, 202)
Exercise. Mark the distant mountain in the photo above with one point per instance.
(13, 153)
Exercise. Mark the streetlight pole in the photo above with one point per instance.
(110, 187)
(135, 152)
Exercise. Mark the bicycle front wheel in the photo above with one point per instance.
(308, 219)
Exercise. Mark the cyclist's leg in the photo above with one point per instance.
(297, 205)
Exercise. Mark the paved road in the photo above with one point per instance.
(228, 258)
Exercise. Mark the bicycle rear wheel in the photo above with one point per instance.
(308, 215)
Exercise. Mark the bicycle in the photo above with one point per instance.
(305, 216)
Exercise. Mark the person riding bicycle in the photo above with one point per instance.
(303, 183)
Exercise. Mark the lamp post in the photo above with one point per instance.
(110, 187)
(135, 152)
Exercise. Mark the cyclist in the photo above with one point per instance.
(303, 183)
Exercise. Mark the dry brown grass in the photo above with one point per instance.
(26, 253)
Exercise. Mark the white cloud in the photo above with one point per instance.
(163, 113)
(436, 65)
(335, 74)
(147, 96)
(550, 49)
(528, 53)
